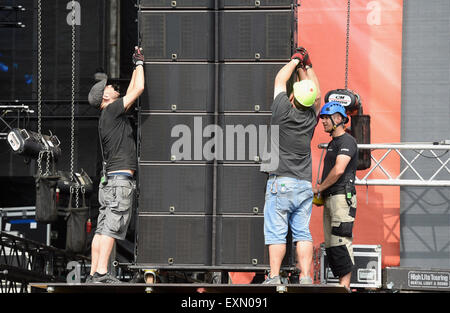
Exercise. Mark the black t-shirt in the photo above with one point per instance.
(296, 128)
(346, 145)
(119, 146)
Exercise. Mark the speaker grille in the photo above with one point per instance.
(167, 239)
(241, 241)
(244, 136)
(154, 31)
(177, 35)
(190, 87)
(175, 189)
(250, 35)
(240, 189)
(252, 3)
(157, 143)
(166, 4)
(277, 24)
(247, 86)
(361, 131)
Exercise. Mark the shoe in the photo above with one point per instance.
(105, 279)
(305, 280)
(272, 280)
(88, 279)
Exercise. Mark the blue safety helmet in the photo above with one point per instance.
(333, 107)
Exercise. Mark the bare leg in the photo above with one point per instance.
(345, 280)
(304, 255)
(276, 255)
(106, 245)
(95, 252)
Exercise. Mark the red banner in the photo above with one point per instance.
(374, 72)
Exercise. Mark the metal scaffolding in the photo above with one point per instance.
(427, 164)
(23, 261)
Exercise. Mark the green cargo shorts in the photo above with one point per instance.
(116, 202)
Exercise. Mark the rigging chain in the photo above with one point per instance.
(72, 118)
(347, 44)
(39, 80)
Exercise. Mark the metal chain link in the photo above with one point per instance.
(39, 76)
(39, 160)
(347, 44)
(72, 118)
(47, 171)
(49, 156)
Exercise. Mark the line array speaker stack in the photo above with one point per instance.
(210, 68)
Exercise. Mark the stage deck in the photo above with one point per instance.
(185, 288)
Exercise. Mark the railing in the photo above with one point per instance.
(421, 164)
(23, 261)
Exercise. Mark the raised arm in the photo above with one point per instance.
(283, 76)
(137, 83)
(307, 72)
(310, 74)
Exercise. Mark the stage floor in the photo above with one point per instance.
(184, 288)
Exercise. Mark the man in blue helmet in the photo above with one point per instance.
(337, 188)
(289, 191)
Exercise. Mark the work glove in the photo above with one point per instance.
(138, 57)
(305, 59)
(299, 57)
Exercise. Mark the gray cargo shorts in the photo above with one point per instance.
(116, 203)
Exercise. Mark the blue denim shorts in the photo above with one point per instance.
(288, 203)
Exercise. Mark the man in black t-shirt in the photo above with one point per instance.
(288, 200)
(117, 187)
(337, 188)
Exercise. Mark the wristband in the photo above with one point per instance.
(139, 63)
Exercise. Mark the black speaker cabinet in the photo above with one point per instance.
(182, 4)
(176, 188)
(178, 87)
(255, 35)
(177, 35)
(228, 4)
(244, 136)
(240, 189)
(247, 86)
(174, 240)
(240, 242)
(173, 137)
(360, 129)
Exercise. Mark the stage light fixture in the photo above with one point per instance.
(30, 144)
